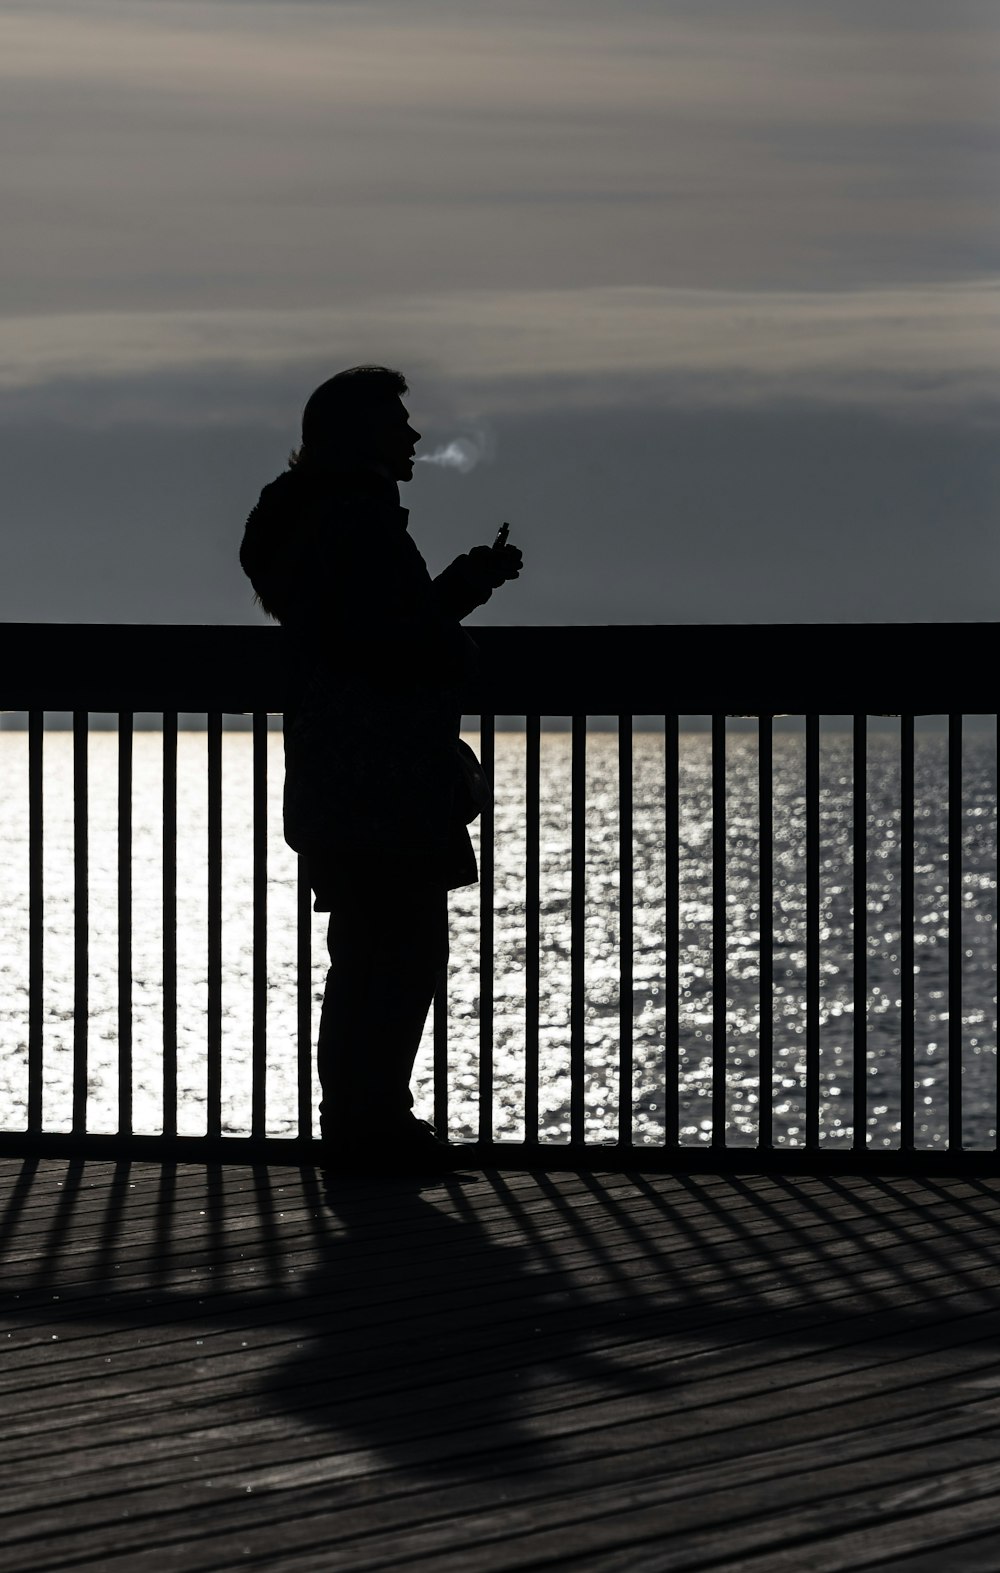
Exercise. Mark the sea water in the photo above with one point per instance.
(655, 1017)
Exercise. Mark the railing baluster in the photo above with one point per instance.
(81, 921)
(578, 878)
(303, 997)
(812, 932)
(625, 938)
(906, 945)
(36, 917)
(258, 1093)
(860, 895)
(719, 973)
(169, 906)
(214, 1022)
(486, 875)
(440, 1028)
(125, 726)
(532, 920)
(765, 789)
(955, 818)
(671, 912)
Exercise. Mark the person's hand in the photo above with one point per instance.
(497, 564)
(511, 561)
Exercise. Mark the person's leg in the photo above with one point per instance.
(386, 955)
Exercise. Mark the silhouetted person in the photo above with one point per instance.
(378, 788)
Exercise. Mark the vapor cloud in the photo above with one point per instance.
(461, 453)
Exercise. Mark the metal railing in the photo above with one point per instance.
(534, 673)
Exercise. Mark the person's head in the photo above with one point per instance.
(359, 415)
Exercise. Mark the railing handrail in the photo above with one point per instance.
(742, 669)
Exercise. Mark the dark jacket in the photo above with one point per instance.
(373, 784)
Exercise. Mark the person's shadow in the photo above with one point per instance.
(441, 1332)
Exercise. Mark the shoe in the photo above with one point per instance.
(415, 1149)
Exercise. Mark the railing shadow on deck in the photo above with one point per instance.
(531, 673)
(404, 1320)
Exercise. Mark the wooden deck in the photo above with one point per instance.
(231, 1367)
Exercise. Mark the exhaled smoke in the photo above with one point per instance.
(462, 453)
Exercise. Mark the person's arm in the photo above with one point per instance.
(385, 618)
(470, 580)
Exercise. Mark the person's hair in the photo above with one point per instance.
(340, 411)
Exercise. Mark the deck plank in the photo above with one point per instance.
(213, 1366)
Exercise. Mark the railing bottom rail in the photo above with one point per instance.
(606, 1157)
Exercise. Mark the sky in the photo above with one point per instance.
(711, 285)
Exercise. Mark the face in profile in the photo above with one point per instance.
(393, 441)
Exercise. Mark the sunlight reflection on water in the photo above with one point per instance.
(650, 1017)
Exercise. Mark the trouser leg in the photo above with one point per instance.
(386, 957)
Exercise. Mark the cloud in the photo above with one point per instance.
(721, 274)
(918, 350)
(624, 515)
(159, 155)
(769, 59)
